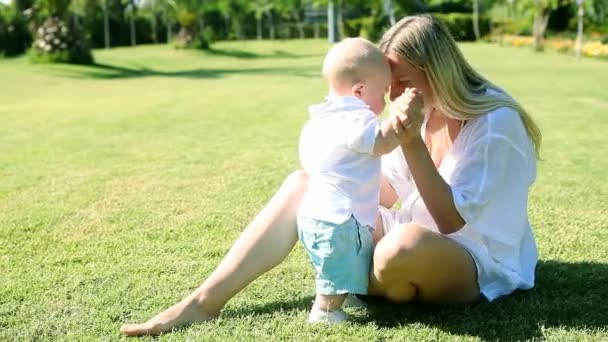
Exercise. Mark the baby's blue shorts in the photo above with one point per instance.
(341, 254)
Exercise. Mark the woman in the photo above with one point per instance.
(462, 175)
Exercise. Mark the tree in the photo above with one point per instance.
(332, 22)
(234, 12)
(476, 19)
(597, 11)
(106, 23)
(389, 11)
(259, 8)
(542, 10)
(132, 13)
(81, 9)
(22, 5)
(294, 9)
(186, 14)
(315, 8)
(150, 8)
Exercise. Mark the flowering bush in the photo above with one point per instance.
(590, 49)
(595, 49)
(55, 43)
(561, 45)
(516, 41)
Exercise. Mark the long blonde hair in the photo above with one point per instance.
(460, 91)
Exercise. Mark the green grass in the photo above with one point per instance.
(123, 185)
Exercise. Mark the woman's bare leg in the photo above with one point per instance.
(412, 262)
(264, 244)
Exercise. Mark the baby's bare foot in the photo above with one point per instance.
(183, 313)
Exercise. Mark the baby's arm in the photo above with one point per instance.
(386, 140)
(404, 111)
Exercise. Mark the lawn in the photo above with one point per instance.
(123, 185)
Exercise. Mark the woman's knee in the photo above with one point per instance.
(413, 261)
(394, 262)
(399, 246)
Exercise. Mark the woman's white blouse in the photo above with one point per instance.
(490, 168)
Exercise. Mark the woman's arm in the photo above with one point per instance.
(435, 192)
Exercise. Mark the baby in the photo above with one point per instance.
(340, 149)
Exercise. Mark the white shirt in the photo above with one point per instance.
(490, 168)
(336, 151)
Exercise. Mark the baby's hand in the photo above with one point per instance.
(407, 116)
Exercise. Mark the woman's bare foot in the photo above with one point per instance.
(186, 312)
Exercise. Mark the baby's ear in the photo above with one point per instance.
(357, 89)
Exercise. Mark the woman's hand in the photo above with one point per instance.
(406, 113)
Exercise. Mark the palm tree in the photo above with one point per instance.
(186, 14)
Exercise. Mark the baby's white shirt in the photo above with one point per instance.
(336, 151)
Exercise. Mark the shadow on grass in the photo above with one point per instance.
(567, 295)
(108, 71)
(294, 304)
(236, 53)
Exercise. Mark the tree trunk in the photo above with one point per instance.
(169, 31)
(238, 27)
(332, 32)
(579, 34)
(201, 25)
(258, 28)
(132, 22)
(185, 36)
(299, 24)
(301, 32)
(390, 11)
(317, 29)
(106, 25)
(169, 27)
(476, 19)
(133, 42)
(541, 19)
(75, 21)
(271, 25)
(340, 20)
(154, 36)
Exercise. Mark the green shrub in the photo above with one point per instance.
(451, 6)
(370, 27)
(14, 34)
(461, 25)
(518, 27)
(209, 34)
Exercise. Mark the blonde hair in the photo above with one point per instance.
(460, 91)
(353, 60)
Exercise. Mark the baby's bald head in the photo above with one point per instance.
(356, 67)
(352, 61)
